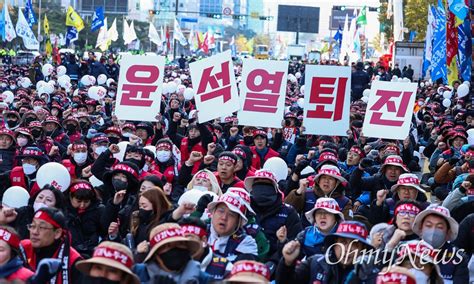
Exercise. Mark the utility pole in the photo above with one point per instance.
(174, 40)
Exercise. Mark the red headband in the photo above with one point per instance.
(407, 207)
(80, 185)
(227, 158)
(10, 238)
(113, 254)
(194, 230)
(358, 151)
(167, 146)
(125, 168)
(239, 152)
(202, 175)
(76, 147)
(41, 215)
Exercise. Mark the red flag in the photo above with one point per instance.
(56, 55)
(205, 44)
(168, 43)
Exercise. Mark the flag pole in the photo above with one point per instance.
(39, 20)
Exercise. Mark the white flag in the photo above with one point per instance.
(10, 33)
(154, 36)
(133, 34)
(24, 31)
(178, 34)
(352, 34)
(112, 33)
(398, 28)
(102, 37)
(345, 40)
(129, 34)
(191, 39)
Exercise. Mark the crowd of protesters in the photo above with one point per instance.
(184, 202)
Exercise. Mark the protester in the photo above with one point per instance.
(11, 264)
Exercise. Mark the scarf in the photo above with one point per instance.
(10, 267)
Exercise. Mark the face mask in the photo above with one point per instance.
(70, 128)
(421, 277)
(126, 134)
(38, 205)
(420, 103)
(37, 108)
(434, 237)
(29, 169)
(458, 106)
(112, 94)
(101, 149)
(264, 194)
(80, 158)
(139, 163)
(99, 280)
(163, 156)
(248, 140)
(12, 87)
(114, 140)
(36, 133)
(4, 85)
(28, 120)
(11, 123)
(22, 141)
(145, 215)
(83, 125)
(200, 188)
(119, 184)
(175, 259)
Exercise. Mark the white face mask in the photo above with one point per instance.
(200, 188)
(37, 108)
(421, 277)
(112, 94)
(22, 141)
(127, 134)
(80, 157)
(163, 155)
(28, 169)
(146, 168)
(38, 205)
(12, 87)
(4, 85)
(101, 149)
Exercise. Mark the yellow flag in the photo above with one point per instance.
(452, 71)
(46, 25)
(49, 48)
(73, 19)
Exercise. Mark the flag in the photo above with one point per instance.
(338, 36)
(427, 53)
(46, 25)
(459, 9)
(112, 33)
(153, 35)
(451, 47)
(56, 55)
(29, 13)
(97, 19)
(131, 34)
(398, 28)
(191, 40)
(345, 40)
(362, 19)
(178, 34)
(465, 49)
(168, 40)
(438, 59)
(389, 9)
(73, 19)
(126, 32)
(24, 31)
(200, 39)
(48, 47)
(233, 47)
(352, 35)
(412, 36)
(205, 44)
(162, 36)
(10, 33)
(357, 49)
(102, 37)
(72, 35)
(2, 23)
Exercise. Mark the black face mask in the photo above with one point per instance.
(264, 194)
(140, 163)
(83, 125)
(36, 133)
(98, 280)
(145, 215)
(248, 140)
(119, 184)
(70, 128)
(175, 259)
(29, 120)
(11, 123)
(114, 140)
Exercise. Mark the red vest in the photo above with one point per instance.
(31, 259)
(59, 137)
(169, 173)
(21, 274)
(73, 137)
(185, 153)
(256, 158)
(17, 178)
(71, 168)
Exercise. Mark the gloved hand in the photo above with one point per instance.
(163, 279)
(91, 133)
(203, 202)
(303, 164)
(47, 268)
(453, 161)
(366, 163)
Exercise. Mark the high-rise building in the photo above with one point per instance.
(255, 9)
(110, 6)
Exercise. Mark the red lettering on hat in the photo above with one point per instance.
(251, 267)
(115, 255)
(166, 234)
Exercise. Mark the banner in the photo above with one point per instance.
(428, 51)
(214, 82)
(139, 87)
(438, 57)
(327, 100)
(389, 110)
(73, 19)
(97, 19)
(72, 35)
(30, 13)
(262, 93)
(24, 31)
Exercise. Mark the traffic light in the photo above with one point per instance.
(339, 8)
(266, 18)
(374, 9)
(239, 17)
(152, 12)
(214, 15)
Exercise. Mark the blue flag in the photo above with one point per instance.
(30, 13)
(465, 49)
(412, 36)
(97, 19)
(72, 35)
(438, 60)
(338, 36)
(2, 23)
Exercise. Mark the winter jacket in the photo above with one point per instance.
(384, 213)
(8, 159)
(447, 173)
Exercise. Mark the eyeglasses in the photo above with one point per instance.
(33, 227)
(407, 213)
